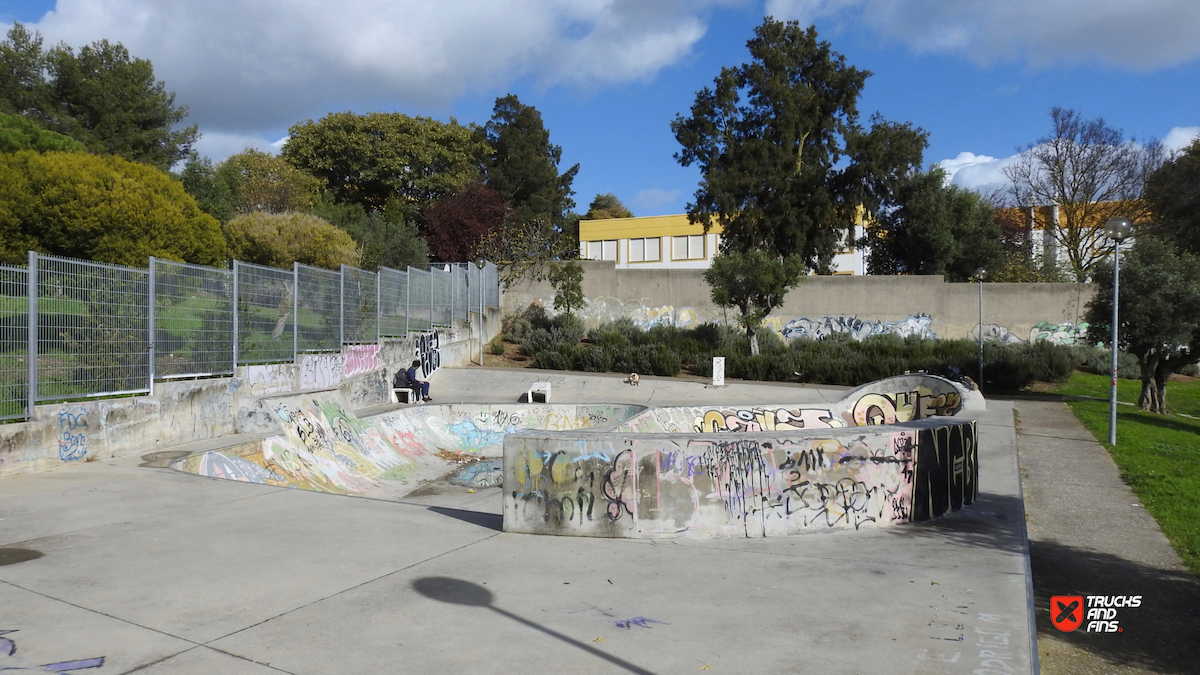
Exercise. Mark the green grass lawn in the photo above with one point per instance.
(1158, 455)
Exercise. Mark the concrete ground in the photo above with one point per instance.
(1089, 535)
(160, 572)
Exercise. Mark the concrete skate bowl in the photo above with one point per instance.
(890, 452)
(322, 446)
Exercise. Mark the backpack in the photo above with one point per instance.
(401, 380)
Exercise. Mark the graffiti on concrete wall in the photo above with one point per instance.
(426, 349)
(739, 486)
(320, 371)
(269, 379)
(644, 312)
(360, 359)
(72, 433)
(859, 329)
(1045, 331)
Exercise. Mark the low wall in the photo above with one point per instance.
(888, 452)
(183, 411)
(822, 305)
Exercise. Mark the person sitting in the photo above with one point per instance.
(420, 389)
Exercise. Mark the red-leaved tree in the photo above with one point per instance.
(455, 224)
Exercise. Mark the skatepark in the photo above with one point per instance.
(408, 567)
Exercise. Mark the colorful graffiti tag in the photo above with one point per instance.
(1055, 333)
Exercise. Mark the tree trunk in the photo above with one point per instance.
(1161, 375)
(1149, 364)
(753, 342)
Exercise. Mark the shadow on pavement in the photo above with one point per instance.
(1161, 635)
(492, 521)
(461, 592)
(992, 522)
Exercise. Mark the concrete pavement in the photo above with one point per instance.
(161, 572)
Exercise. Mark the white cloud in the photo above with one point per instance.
(977, 172)
(1180, 137)
(243, 66)
(217, 145)
(1141, 35)
(653, 198)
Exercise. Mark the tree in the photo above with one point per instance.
(1091, 172)
(525, 250)
(212, 194)
(1017, 263)
(264, 182)
(1173, 196)
(279, 239)
(567, 281)
(1159, 312)
(784, 164)
(522, 165)
(22, 67)
(455, 224)
(607, 206)
(385, 238)
(755, 282)
(935, 228)
(370, 159)
(106, 209)
(21, 133)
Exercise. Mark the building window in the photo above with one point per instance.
(601, 250)
(644, 250)
(690, 247)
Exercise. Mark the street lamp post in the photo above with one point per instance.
(479, 264)
(1116, 229)
(979, 274)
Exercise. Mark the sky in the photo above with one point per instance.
(608, 76)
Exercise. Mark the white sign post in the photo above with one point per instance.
(718, 371)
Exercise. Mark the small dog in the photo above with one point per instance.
(633, 379)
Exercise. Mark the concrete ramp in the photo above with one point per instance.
(321, 445)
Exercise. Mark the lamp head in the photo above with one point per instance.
(1118, 228)
(480, 262)
(980, 273)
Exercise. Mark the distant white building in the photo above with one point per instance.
(671, 242)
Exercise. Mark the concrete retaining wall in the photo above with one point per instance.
(183, 411)
(859, 305)
(888, 452)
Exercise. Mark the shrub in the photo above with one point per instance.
(552, 359)
(768, 339)
(496, 347)
(663, 360)
(625, 326)
(571, 327)
(592, 360)
(540, 339)
(518, 329)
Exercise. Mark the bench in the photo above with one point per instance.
(403, 393)
(539, 392)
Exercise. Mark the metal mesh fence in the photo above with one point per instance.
(93, 328)
(393, 302)
(359, 295)
(264, 314)
(441, 295)
(14, 342)
(193, 320)
(419, 293)
(318, 309)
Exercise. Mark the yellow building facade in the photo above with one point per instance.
(671, 242)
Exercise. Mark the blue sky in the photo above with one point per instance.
(609, 75)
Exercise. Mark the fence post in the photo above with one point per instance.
(378, 306)
(295, 310)
(407, 298)
(31, 327)
(151, 349)
(432, 276)
(341, 306)
(235, 317)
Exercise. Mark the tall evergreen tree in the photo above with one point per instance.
(523, 165)
(784, 164)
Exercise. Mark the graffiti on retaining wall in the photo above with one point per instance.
(72, 430)
(360, 359)
(644, 312)
(426, 348)
(747, 486)
(320, 371)
(1055, 333)
(859, 329)
(269, 379)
